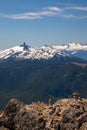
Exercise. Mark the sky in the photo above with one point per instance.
(42, 22)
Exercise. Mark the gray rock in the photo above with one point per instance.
(84, 126)
(65, 114)
(29, 120)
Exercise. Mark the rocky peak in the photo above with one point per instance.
(25, 46)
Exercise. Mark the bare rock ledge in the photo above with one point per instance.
(65, 114)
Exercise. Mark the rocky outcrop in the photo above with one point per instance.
(65, 114)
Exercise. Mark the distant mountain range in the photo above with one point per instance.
(39, 73)
(45, 52)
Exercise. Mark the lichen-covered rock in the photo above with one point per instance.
(84, 126)
(65, 114)
(29, 120)
(10, 112)
(3, 128)
(13, 107)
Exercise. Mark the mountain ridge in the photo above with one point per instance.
(45, 52)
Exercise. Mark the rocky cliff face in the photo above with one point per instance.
(65, 114)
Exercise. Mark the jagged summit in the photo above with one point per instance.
(24, 51)
(25, 46)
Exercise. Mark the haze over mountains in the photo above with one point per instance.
(39, 73)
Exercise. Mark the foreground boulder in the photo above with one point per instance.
(65, 114)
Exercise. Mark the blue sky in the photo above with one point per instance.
(39, 22)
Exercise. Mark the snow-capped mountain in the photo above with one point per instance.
(71, 46)
(26, 52)
(45, 52)
(74, 49)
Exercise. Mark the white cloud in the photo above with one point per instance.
(54, 8)
(47, 12)
(73, 16)
(68, 16)
(77, 15)
(50, 11)
(79, 8)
